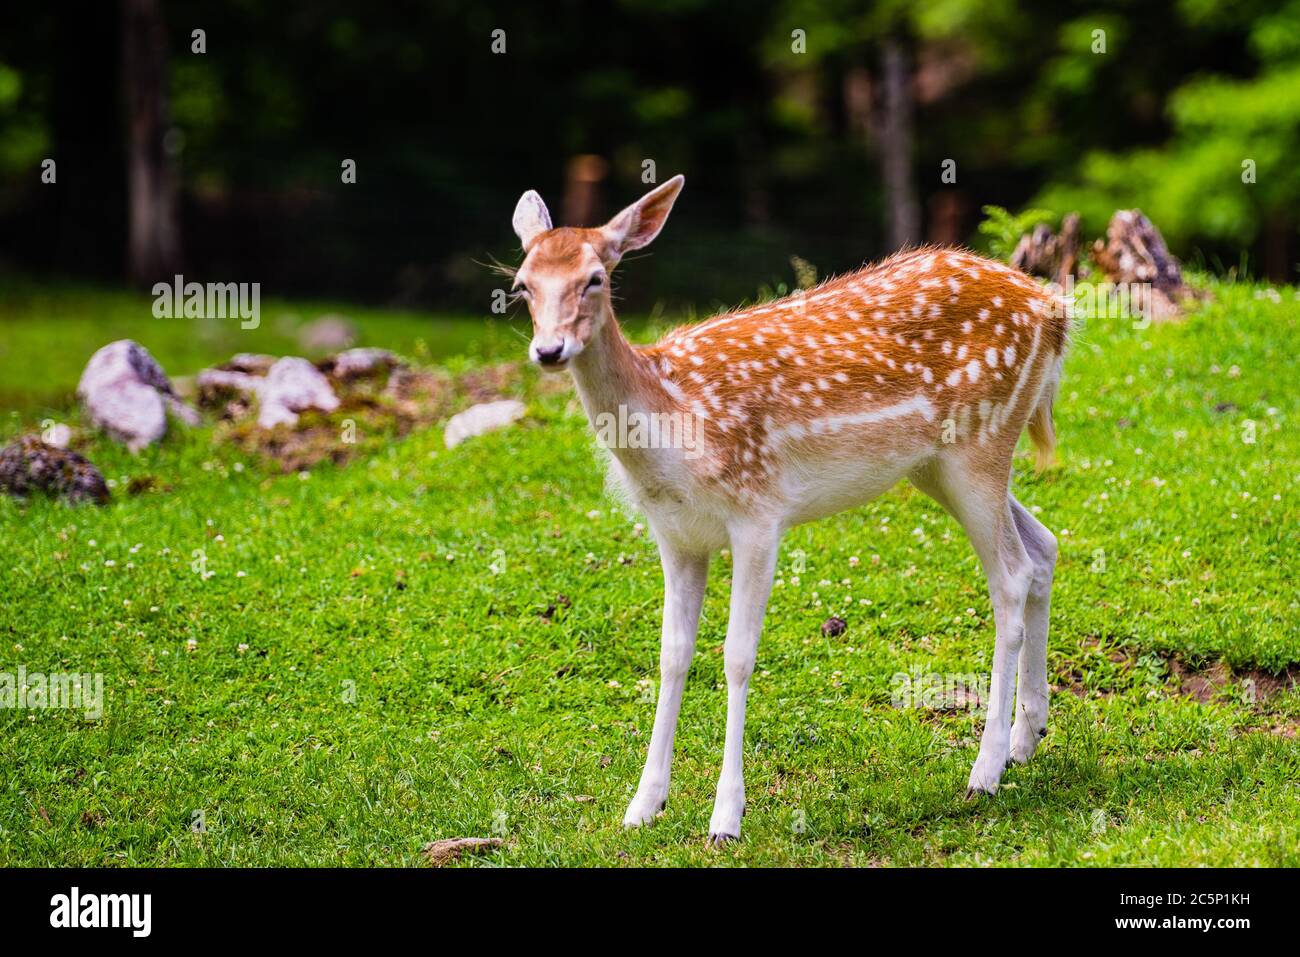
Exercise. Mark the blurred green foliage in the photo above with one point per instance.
(1001, 229)
(1091, 105)
(1227, 170)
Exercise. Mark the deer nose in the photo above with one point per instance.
(549, 355)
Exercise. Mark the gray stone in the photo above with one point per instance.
(358, 363)
(481, 418)
(293, 385)
(127, 394)
(29, 465)
(327, 334)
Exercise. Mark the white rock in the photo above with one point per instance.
(293, 385)
(211, 381)
(256, 363)
(327, 334)
(484, 417)
(127, 394)
(355, 363)
(58, 435)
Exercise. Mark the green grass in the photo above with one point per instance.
(417, 578)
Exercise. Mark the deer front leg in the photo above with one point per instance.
(754, 551)
(684, 581)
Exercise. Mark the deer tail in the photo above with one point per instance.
(1042, 428)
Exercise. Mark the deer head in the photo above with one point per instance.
(565, 274)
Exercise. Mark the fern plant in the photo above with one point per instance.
(1003, 229)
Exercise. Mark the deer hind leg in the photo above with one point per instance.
(1031, 693)
(685, 576)
(982, 504)
(754, 551)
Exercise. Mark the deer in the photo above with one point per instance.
(926, 366)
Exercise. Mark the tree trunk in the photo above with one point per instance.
(153, 247)
(894, 138)
(89, 203)
(1277, 264)
(582, 188)
(1134, 254)
(1043, 253)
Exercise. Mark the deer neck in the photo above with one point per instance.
(613, 379)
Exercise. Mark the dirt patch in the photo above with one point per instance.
(1205, 685)
(449, 849)
(369, 413)
(1254, 685)
(1267, 685)
(490, 382)
(373, 409)
(1284, 729)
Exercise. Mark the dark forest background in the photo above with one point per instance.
(812, 128)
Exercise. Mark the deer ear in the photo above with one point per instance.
(531, 218)
(640, 223)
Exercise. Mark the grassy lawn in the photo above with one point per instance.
(368, 665)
